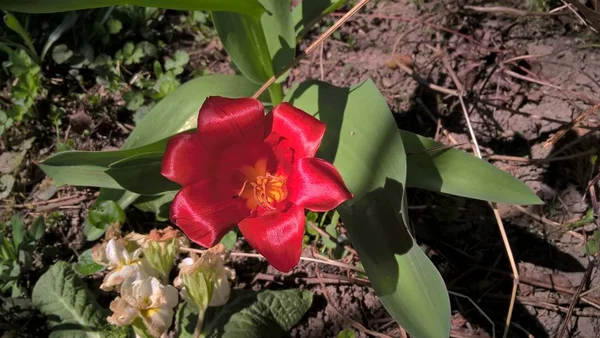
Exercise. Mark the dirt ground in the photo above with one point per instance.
(526, 79)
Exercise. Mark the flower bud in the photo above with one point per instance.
(205, 280)
(160, 248)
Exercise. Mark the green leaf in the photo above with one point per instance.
(87, 168)
(367, 150)
(256, 315)
(229, 240)
(251, 8)
(18, 230)
(67, 303)
(176, 64)
(141, 174)
(160, 205)
(455, 172)
(67, 23)
(259, 49)
(134, 100)
(37, 229)
(586, 219)
(114, 26)
(346, 333)
(308, 13)
(178, 112)
(14, 24)
(245, 42)
(86, 265)
(106, 213)
(61, 53)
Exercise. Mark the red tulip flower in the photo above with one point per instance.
(254, 170)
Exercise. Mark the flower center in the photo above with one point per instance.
(262, 188)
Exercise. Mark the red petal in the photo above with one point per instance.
(303, 131)
(316, 185)
(223, 121)
(206, 212)
(277, 236)
(185, 160)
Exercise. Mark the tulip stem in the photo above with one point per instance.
(199, 323)
(276, 93)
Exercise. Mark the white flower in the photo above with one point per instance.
(123, 259)
(147, 299)
(204, 281)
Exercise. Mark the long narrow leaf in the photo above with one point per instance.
(248, 7)
(363, 143)
(14, 24)
(455, 172)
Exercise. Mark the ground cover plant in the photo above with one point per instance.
(209, 186)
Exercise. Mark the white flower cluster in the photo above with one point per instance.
(139, 268)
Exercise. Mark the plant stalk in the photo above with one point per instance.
(276, 93)
(199, 323)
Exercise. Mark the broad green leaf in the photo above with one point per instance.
(256, 315)
(455, 172)
(247, 7)
(308, 13)
(86, 265)
(178, 111)
(259, 49)
(362, 141)
(18, 230)
(67, 303)
(141, 174)
(68, 22)
(87, 168)
(105, 214)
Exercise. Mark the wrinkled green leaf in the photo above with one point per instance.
(308, 13)
(247, 7)
(86, 265)
(114, 26)
(252, 315)
(141, 174)
(362, 141)
(455, 172)
(67, 303)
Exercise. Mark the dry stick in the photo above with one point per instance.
(312, 47)
(575, 299)
(507, 247)
(303, 258)
(512, 11)
(540, 160)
